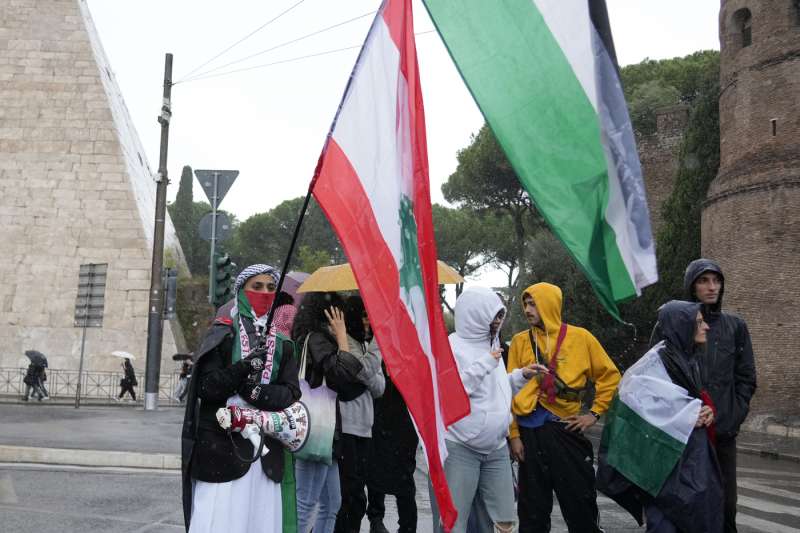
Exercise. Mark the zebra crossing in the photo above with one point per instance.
(769, 497)
(769, 501)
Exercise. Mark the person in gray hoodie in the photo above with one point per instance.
(478, 464)
(357, 418)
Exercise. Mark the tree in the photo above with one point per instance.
(265, 237)
(181, 212)
(503, 249)
(678, 239)
(550, 262)
(309, 260)
(524, 247)
(460, 240)
(485, 182)
(646, 99)
(686, 74)
(182, 206)
(186, 215)
(257, 240)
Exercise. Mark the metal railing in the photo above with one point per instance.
(95, 385)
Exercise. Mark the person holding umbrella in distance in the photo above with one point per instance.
(128, 381)
(35, 376)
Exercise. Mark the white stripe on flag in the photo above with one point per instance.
(647, 389)
(374, 132)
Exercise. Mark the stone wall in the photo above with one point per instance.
(658, 154)
(75, 187)
(751, 218)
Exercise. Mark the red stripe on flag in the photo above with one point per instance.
(344, 201)
(398, 17)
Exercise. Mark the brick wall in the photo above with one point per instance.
(70, 192)
(751, 218)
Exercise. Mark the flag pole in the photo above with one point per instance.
(317, 170)
(292, 245)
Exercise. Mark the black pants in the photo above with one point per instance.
(353, 469)
(726, 455)
(406, 508)
(38, 390)
(127, 387)
(561, 461)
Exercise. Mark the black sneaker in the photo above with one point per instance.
(377, 527)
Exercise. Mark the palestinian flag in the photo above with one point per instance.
(545, 76)
(649, 424)
(372, 183)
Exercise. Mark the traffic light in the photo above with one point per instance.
(222, 279)
(170, 285)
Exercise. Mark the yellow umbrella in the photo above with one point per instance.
(341, 278)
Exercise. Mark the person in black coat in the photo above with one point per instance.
(320, 326)
(34, 382)
(690, 498)
(393, 461)
(217, 470)
(727, 370)
(128, 382)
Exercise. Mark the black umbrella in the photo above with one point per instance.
(37, 358)
(181, 356)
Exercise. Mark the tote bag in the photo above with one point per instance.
(321, 405)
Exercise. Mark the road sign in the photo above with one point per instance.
(90, 302)
(224, 179)
(89, 306)
(224, 227)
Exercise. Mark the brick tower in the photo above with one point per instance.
(75, 188)
(751, 217)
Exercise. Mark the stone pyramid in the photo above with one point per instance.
(75, 188)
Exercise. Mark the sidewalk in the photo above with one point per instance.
(123, 435)
(766, 445)
(112, 434)
(747, 442)
(89, 402)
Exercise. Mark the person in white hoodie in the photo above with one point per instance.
(478, 464)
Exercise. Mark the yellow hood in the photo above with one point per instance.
(548, 300)
(580, 358)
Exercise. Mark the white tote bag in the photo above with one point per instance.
(321, 405)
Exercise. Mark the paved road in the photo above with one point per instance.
(49, 499)
(63, 499)
(769, 501)
(88, 500)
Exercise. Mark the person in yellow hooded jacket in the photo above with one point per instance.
(546, 436)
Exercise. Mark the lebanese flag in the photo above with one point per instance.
(372, 183)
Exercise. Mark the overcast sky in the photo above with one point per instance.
(270, 122)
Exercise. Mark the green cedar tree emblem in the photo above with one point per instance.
(410, 269)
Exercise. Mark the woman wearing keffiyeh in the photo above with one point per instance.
(222, 492)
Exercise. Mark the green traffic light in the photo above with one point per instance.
(222, 278)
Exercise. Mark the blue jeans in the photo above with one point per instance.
(472, 475)
(317, 483)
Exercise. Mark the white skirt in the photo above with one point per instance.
(250, 504)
